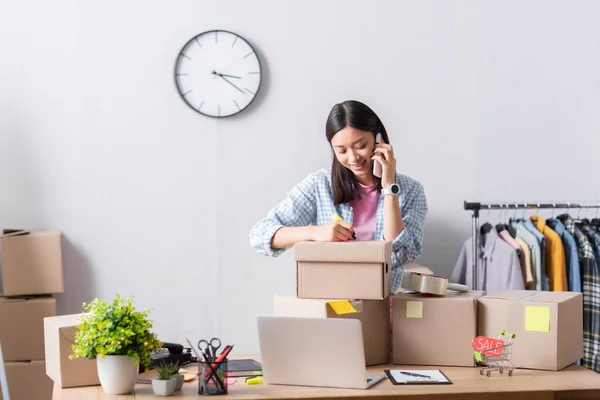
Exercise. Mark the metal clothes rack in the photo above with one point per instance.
(476, 206)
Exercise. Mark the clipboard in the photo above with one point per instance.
(418, 382)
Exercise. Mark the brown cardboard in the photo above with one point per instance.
(59, 336)
(374, 315)
(553, 350)
(27, 380)
(431, 330)
(349, 270)
(22, 327)
(31, 263)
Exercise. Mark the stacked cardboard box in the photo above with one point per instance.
(31, 271)
(345, 280)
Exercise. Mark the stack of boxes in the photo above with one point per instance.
(344, 280)
(31, 271)
(352, 280)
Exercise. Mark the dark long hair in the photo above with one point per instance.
(356, 115)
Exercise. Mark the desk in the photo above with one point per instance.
(573, 382)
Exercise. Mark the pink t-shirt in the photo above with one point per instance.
(365, 212)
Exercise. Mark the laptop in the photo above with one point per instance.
(323, 352)
(3, 379)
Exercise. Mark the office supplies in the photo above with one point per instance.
(220, 358)
(335, 355)
(210, 347)
(417, 377)
(3, 379)
(413, 374)
(429, 284)
(245, 367)
(255, 380)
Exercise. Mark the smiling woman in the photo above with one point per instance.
(391, 207)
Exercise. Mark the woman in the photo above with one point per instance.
(392, 207)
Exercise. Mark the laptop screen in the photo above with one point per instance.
(3, 380)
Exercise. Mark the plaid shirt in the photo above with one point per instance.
(310, 202)
(591, 295)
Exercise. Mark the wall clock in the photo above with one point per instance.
(218, 73)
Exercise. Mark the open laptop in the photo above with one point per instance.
(3, 379)
(324, 352)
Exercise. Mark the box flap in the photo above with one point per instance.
(14, 232)
(360, 251)
(533, 295)
(471, 295)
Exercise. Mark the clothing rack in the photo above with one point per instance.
(476, 206)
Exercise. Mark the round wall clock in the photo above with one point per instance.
(217, 73)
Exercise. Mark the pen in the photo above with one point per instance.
(413, 374)
(336, 217)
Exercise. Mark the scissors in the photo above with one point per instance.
(210, 348)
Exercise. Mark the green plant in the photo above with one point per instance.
(166, 371)
(115, 329)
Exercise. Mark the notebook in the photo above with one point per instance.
(323, 352)
(244, 367)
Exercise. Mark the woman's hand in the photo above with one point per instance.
(334, 231)
(384, 153)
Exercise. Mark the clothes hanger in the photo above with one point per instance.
(486, 227)
(500, 226)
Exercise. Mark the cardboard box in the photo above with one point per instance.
(431, 330)
(548, 326)
(59, 336)
(351, 270)
(27, 380)
(31, 263)
(374, 315)
(22, 327)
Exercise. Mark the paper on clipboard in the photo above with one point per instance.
(434, 376)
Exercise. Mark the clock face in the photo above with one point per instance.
(218, 73)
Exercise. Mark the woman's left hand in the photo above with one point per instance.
(384, 153)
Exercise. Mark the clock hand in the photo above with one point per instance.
(227, 80)
(229, 76)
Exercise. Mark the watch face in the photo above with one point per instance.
(395, 189)
(218, 73)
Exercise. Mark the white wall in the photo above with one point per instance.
(489, 101)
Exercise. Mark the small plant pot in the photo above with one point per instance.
(164, 387)
(179, 382)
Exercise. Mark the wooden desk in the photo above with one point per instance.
(573, 382)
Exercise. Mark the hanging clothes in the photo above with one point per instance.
(498, 266)
(542, 242)
(556, 269)
(534, 247)
(571, 254)
(590, 285)
(525, 260)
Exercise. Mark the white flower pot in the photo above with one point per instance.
(164, 387)
(117, 374)
(179, 382)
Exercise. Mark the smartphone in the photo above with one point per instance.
(376, 164)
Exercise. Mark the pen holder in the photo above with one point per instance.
(212, 378)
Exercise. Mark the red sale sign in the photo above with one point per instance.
(482, 344)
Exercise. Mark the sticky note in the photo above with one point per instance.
(414, 309)
(537, 319)
(342, 307)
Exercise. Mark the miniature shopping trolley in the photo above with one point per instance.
(494, 354)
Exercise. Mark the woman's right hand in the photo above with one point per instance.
(334, 231)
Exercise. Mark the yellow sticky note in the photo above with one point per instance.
(537, 319)
(342, 307)
(414, 309)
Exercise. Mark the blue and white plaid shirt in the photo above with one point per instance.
(311, 203)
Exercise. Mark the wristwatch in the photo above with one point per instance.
(394, 189)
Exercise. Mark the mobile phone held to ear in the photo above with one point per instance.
(376, 164)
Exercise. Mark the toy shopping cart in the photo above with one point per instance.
(494, 354)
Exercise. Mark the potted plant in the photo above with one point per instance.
(119, 337)
(166, 382)
(179, 379)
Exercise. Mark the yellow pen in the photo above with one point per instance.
(255, 380)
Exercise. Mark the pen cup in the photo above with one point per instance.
(212, 378)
